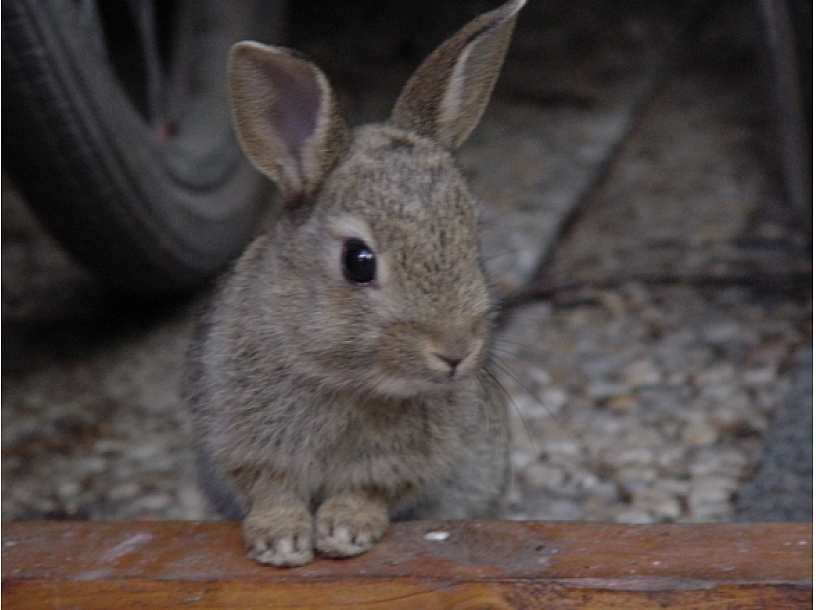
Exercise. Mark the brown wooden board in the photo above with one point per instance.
(480, 564)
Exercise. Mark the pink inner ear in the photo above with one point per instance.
(294, 111)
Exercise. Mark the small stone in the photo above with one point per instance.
(700, 434)
(600, 367)
(718, 461)
(621, 404)
(637, 456)
(760, 377)
(674, 487)
(437, 536)
(68, 489)
(676, 379)
(538, 476)
(560, 509)
(527, 407)
(155, 501)
(146, 450)
(562, 448)
(601, 390)
(720, 393)
(514, 497)
(738, 423)
(634, 516)
(634, 479)
(107, 446)
(613, 302)
(719, 333)
(670, 455)
(539, 376)
(715, 375)
(90, 465)
(659, 502)
(543, 405)
(192, 501)
(124, 491)
(642, 373)
(711, 490)
(605, 490)
(554, 399)
(519, 460)
(583, 481)
(706, 513)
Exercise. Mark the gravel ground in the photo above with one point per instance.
(629, 146)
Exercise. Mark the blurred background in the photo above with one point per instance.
(644, 178)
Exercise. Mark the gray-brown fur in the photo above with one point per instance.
(324, 408)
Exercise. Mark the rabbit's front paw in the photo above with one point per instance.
(280, 536)
(349, 525)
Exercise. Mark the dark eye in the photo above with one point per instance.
(359, 262)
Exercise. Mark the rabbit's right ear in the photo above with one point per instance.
(286, 117)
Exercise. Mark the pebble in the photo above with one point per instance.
(553, 399)
(542, 476)
(558, 509)
(721, 461)
(659, 502)
(670, 455)
(642, 373)
(154, 502)
(705, 513)
(720, 333)
(760, 376)
(700, 434)
(634, 479)
(711, 490)
(630, 456)
(601, 390)
(716, 375)
(621, 403)
(634, 516)
(124, 491)
(676, 487)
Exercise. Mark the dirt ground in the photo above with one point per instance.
(627, 162)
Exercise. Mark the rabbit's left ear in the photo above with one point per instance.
(448, 93)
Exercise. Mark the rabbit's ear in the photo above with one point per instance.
(448, 93)
(286, 117)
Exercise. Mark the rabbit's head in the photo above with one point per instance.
(378, 284)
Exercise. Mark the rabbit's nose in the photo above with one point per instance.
(451, 362)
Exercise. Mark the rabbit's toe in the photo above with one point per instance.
(280, 537)
(349, 525)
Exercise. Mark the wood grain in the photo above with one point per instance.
(481, 564)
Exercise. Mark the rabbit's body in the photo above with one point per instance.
(338, 378)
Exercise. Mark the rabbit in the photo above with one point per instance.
(338, 378)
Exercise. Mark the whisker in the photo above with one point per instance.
(513, 352)
(484, 380)
(501, 339)
(486, 390)
(507, 371)
(512, 402)
(511, 355)
(495, 227)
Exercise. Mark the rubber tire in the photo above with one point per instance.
(148, 218)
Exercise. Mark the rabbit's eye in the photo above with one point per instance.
(359, 262)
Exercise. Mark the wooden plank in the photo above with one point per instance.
(480, 564)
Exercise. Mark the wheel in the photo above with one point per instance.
(116, 128)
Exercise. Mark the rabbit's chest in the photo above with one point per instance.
(394, 450)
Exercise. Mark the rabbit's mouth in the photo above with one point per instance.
(402, 387)
(437, 373)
